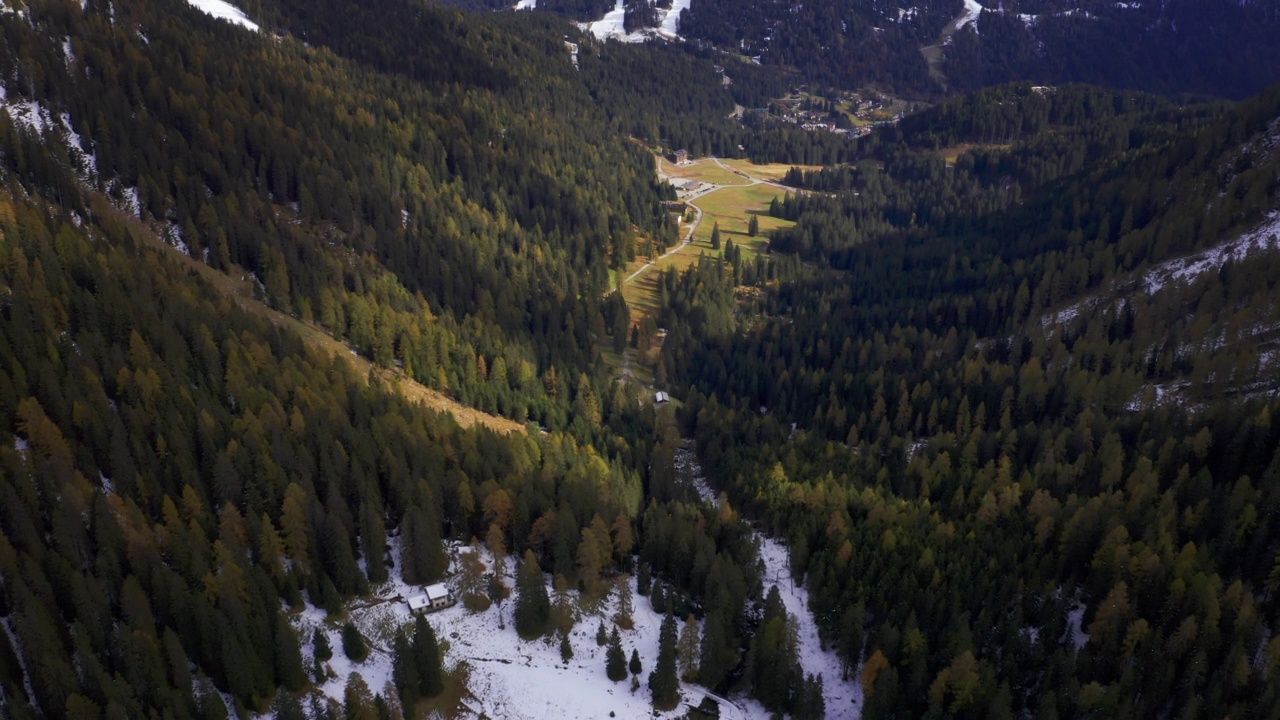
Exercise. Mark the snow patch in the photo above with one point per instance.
(224, 10)
(842, 696)
(133, 201)
(31, 115)
(1262, 239)
(971, 12)
(88, 161)
(527, 5)
(670, 25)
(1075, 626)
(612, 25)
(12, 639)
(20, 445)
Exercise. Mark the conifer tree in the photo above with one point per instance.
(644, 579)
(533, 607)
(715, 236)
(623, 617)
(688, 649)
(426, 658)
(353, 645)
(566, 648)
(422, 558)
(658, 597)
(634, 665)
(322, 649)
(404, 671)
(602, 637)
(663, 681)
(615, 659)
(753, 227)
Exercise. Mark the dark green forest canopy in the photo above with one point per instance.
(1017, 478)
(1222, 48)
(1014, 479)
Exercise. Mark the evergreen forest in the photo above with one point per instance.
(1000, 382)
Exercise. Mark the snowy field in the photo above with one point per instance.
(508, 677)
(611, 26)
(224, 10)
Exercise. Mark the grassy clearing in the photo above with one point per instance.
(704, 170)
(241, 291)
(771, 171)
(733, 208)
(949, 154)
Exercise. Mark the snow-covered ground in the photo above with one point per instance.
(225, 11)
(612, 26)
(527, 5)
(843, 697)
(670, 25)
(508, 677)
(1183, 269)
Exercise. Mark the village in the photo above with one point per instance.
(843, 112)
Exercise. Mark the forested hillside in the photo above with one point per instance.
(1222, 48)
(181, 478)
(998, 383)
(1019, 475)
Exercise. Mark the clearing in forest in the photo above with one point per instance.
(704, 170)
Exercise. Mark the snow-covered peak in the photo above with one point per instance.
(224, 10)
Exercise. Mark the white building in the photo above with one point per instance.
(434, 597)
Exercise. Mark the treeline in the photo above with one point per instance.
(1017, 478)
(1220, 48)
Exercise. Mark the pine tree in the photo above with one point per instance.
(404, 670)
(288, 658)
(322, 649)
(533, 607)
(688, 649)
(422, 558)
(615, 658)
(644, 579)
(623, 617)
(715, 236)
(353, 645)
(357, 700)
(753, 227)
(662, 681)
(634, 665)
(602, 637)
(426, 658)
(566, 648)
(658, 597)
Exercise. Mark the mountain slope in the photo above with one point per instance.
(1018, 474)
